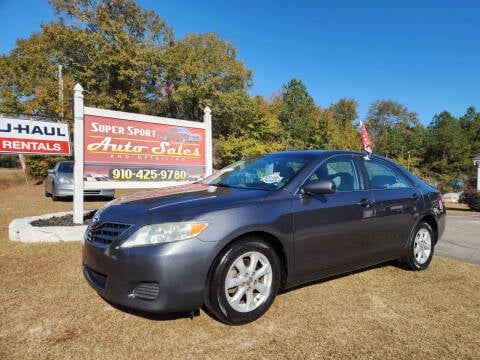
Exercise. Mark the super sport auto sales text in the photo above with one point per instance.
(109, 144)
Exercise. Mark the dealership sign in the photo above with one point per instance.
(34, 137)
(119, 149)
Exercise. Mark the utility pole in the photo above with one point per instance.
(60, 89)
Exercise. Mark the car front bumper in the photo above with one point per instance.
(63, 190)
(158, 278)
(66, 190)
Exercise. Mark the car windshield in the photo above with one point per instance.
(65, 168)
(269, 172)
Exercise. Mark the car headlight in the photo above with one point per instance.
(164, 233)
(63, 180)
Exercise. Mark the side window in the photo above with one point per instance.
(342, 171)
(383, 176)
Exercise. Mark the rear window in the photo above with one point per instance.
(383, 176)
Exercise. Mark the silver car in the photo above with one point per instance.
(59, 183)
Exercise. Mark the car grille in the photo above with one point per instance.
(104, 234)
(91, 192)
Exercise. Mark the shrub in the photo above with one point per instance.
(37, 165)
(9, 161)
(473, 200)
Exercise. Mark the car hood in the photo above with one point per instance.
(65, 175)
(177, 203)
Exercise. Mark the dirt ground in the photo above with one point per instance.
(47, 310)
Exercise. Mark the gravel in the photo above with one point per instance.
(66, 220)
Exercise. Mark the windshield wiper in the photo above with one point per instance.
(220, 184)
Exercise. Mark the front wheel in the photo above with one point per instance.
(420, 247)
(54, 196)
(243, 282)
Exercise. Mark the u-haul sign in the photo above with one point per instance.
(34, 137)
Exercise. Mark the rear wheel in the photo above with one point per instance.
(420, 247)
(243, 282)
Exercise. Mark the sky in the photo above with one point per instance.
(424, 54)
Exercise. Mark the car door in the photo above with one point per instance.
(333, 230)
(396, 201)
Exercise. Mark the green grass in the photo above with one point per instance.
(49, 312)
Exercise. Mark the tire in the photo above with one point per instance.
(243, 282)
(54, 197)
(420, 247)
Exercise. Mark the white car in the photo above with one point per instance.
(59, 183)
(451, 197)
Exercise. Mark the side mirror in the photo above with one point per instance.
(51, 171)
(319, 187)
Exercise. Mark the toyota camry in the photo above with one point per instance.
(230, 243)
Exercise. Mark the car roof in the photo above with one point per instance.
(319, 152)
(64, 162)
(324, 153)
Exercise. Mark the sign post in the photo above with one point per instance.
(207, 120)
(476, 161)
(78, 153)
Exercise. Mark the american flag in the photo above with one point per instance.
(22, 161)
(24, 166)
(367, 143)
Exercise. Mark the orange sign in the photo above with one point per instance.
(118, 149)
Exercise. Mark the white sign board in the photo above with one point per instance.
(19, 136)
(129, 150)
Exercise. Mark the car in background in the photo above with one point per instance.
(183, 135)
(231, 242)
(59, 183)
(452, 197)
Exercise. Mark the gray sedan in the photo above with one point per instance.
(230, 243)
(59, 183)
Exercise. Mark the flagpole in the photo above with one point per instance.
(24, 166)
(367, 143)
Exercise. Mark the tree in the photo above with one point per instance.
(114, 50)
(296, 113)
(345, 135)
(391, 127)
(447, 146)
(470, 123)
(126, 59)
(344, 112)
(111, 47)
(201, 70)
(258, 132)
(30, 83)
(413, 151)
